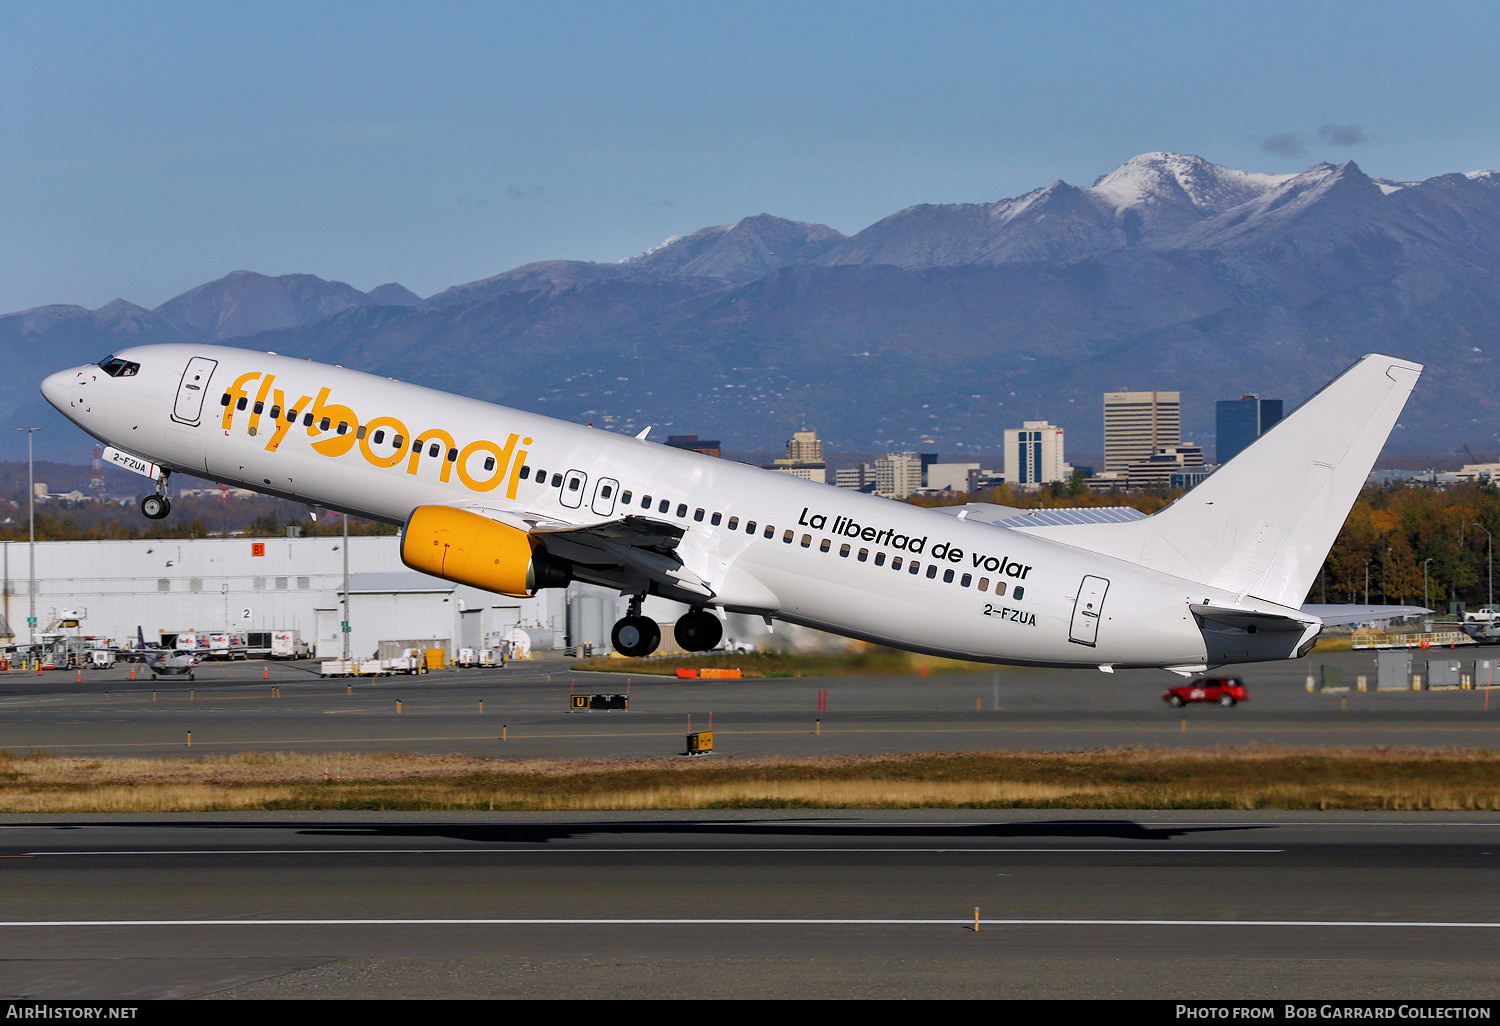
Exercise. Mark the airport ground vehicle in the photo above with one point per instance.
(1489, 614)
(1225, 690)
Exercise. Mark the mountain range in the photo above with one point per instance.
(935, 328)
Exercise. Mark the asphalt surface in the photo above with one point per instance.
(524, 711)
(1133, 905)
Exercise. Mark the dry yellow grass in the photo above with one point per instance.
(1262, 777)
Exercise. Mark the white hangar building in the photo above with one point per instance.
(262, 584)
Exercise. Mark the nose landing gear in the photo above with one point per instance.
(154, 507)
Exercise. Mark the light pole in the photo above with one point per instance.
(31, 545)
(1367, 582)
(1425, 602)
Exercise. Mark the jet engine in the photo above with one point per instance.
(461, 546)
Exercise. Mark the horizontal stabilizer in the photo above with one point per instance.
(1338, 616)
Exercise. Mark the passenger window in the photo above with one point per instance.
(824, 545)
(434, 449)
(360, 432)
(625, 497)
(224, 401)
(999, 587)
(715, 519)
(645, 502)
(880, 559)
(770, 531)
(807, 541)
(275, 412)
(788, 536)
(291, 416)
(378, 437)
(697, 514)
(948, 576)
(489, 461)
(398, 441)
(343, 427)
(663, 506)
(914, 568)
(864, 555)
(965, 580)
(734, 524)
(606, 491)
(931, 571)
(750, 527)
(556, 480)
(1018, 593)
(984, 584)
(682, 509)
(844, 550)
(896, 563)
(260, 407)
(325, 424)
(242, 403)
(307, 420)
(573, 482)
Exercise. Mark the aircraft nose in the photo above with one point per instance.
(57, 388)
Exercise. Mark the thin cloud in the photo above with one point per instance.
(1285, 144)
(1342, 135)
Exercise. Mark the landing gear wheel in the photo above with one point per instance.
(154, 507)
(635, 636)
(698, 631)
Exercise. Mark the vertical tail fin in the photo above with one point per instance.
(1262, 524)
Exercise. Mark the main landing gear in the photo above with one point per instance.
(635, 635)
(698, 631)
(154, 507)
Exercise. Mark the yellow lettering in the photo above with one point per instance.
(445, 469)
(515, 470)
(282, 423)
(236, 393)
(502, 462)
(397, 428)
(260, 399)
(335, 444)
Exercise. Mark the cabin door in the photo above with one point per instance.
(1086, 611)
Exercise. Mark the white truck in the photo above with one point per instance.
(289, 645)
(1489, 614)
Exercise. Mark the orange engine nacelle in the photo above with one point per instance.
(457, 545)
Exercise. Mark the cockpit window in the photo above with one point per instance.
(118, 368)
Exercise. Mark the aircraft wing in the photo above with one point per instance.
(612, 551)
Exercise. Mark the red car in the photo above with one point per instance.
(1224, 690)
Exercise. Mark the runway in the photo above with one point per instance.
(523, 711)
(1174, 905)
(776, 904)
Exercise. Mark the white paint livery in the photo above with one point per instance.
(1218, 576)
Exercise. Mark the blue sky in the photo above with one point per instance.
(146, 148)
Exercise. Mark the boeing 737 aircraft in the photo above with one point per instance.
(511, 502)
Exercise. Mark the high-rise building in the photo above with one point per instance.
(1238, 422)
(1139, 424)
(804, 458)
(898, 474)
(1034, 454)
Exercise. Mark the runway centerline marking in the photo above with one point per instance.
(670, 851)
(965, 922)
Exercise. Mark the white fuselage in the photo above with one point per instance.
(762, 542)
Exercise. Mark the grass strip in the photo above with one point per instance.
(1253, 777)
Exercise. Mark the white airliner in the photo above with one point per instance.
(510, 501)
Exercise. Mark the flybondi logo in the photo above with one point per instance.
(335, 430)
